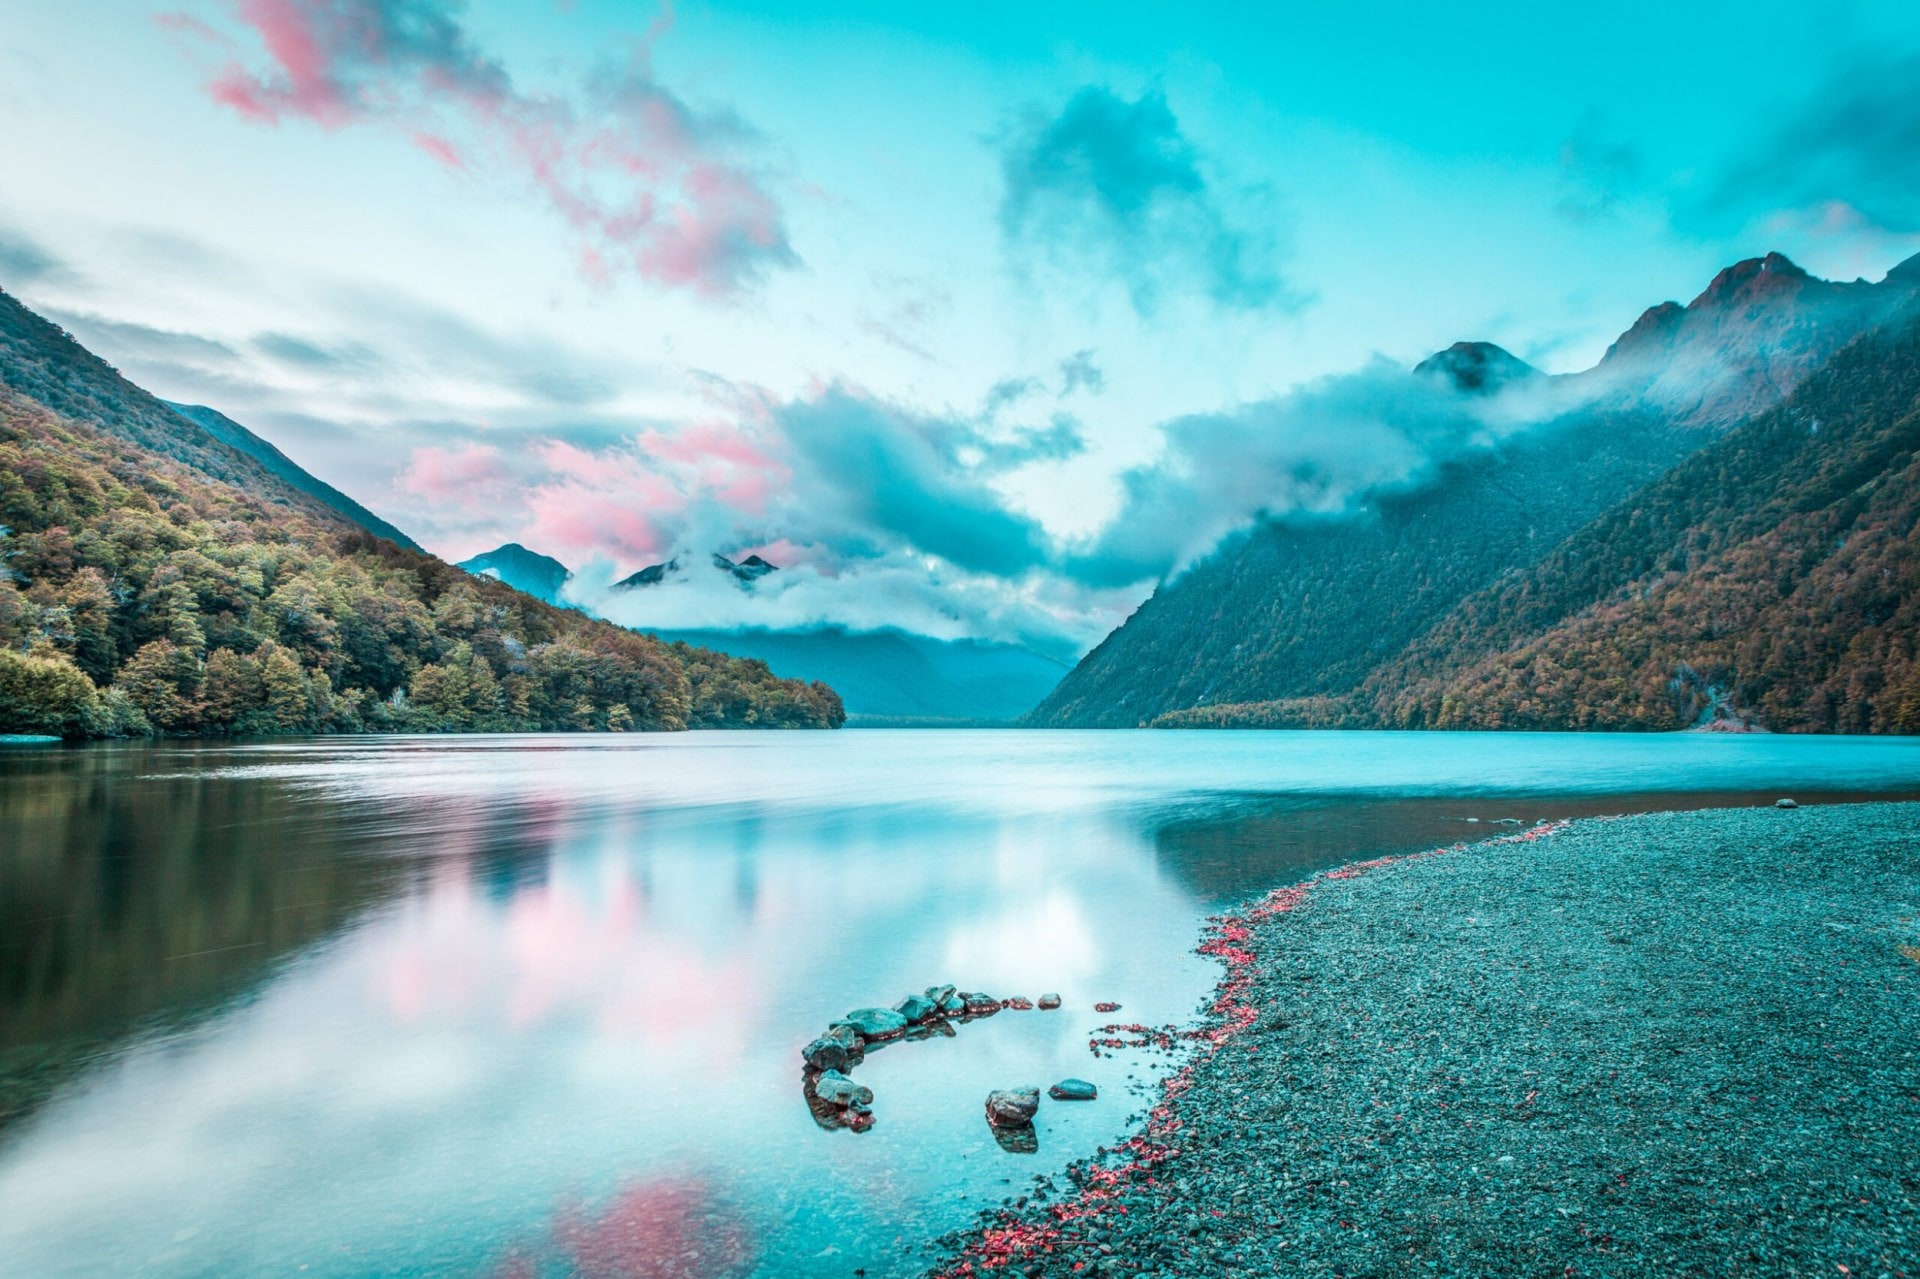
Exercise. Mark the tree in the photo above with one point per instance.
(46, 693)
(89, 603)
(288, 704)
(232, 696)
(160, 680)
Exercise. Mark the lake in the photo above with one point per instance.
(532, 1005)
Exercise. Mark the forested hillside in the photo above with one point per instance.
(1308, 613)
(1772, 579)
(154, 580)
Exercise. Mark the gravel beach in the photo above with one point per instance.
(1680, 1043)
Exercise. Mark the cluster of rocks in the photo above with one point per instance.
(836, 1101)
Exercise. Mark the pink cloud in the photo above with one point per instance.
(643, 180)
(572, 517)
(456, 476)
(439, 148)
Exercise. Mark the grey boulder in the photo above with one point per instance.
(1012, 1107)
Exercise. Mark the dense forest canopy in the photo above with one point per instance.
(153, 580)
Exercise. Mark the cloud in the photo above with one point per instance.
(898, 474)
(24, 261)
(1596, 170)
(1078, 372)
(1117, 187)
(1318, 451)
(1848, 154)
(306, 353)
(645, 181)
(454, 475)
(127, 340)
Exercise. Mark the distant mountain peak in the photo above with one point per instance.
(1476, 367)
(540, 576)
(746, 572)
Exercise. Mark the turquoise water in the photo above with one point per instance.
(532, 1005)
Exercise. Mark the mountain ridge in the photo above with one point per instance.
(1304, 610)
(231, 433)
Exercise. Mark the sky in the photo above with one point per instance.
(978, 320)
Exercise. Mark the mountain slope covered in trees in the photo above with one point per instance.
(1303, 614)
(1772, 579)
(158, 580)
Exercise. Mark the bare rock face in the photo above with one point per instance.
(1012, 1107)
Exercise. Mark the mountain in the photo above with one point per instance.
(540, 576)
(746, 572)
(1293, 610)
(160, 579)
(1772, 579)
(888, 675)
(895, 676)
(231, 433)
(1477, 367)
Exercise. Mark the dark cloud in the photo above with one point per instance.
(646, 181)
(1117, 186)
(1852, 145)
(23, 261)
(894, 472)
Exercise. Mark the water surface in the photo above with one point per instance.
(532, 1005)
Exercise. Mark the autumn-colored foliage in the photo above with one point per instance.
(165, 584)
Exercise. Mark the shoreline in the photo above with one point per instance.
(1672, 1042)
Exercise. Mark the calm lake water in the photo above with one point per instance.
(532, 1006)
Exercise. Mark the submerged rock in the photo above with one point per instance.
(1785, 803)
(1012, 1107)
(916, 1008)
(876, 1023)
(836, 1089)
(1049, 1001)
(1073, 1090)
(1017, 1139)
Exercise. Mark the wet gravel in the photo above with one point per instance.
(1673, 1044)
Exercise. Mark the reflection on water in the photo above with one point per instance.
(532, 1006)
